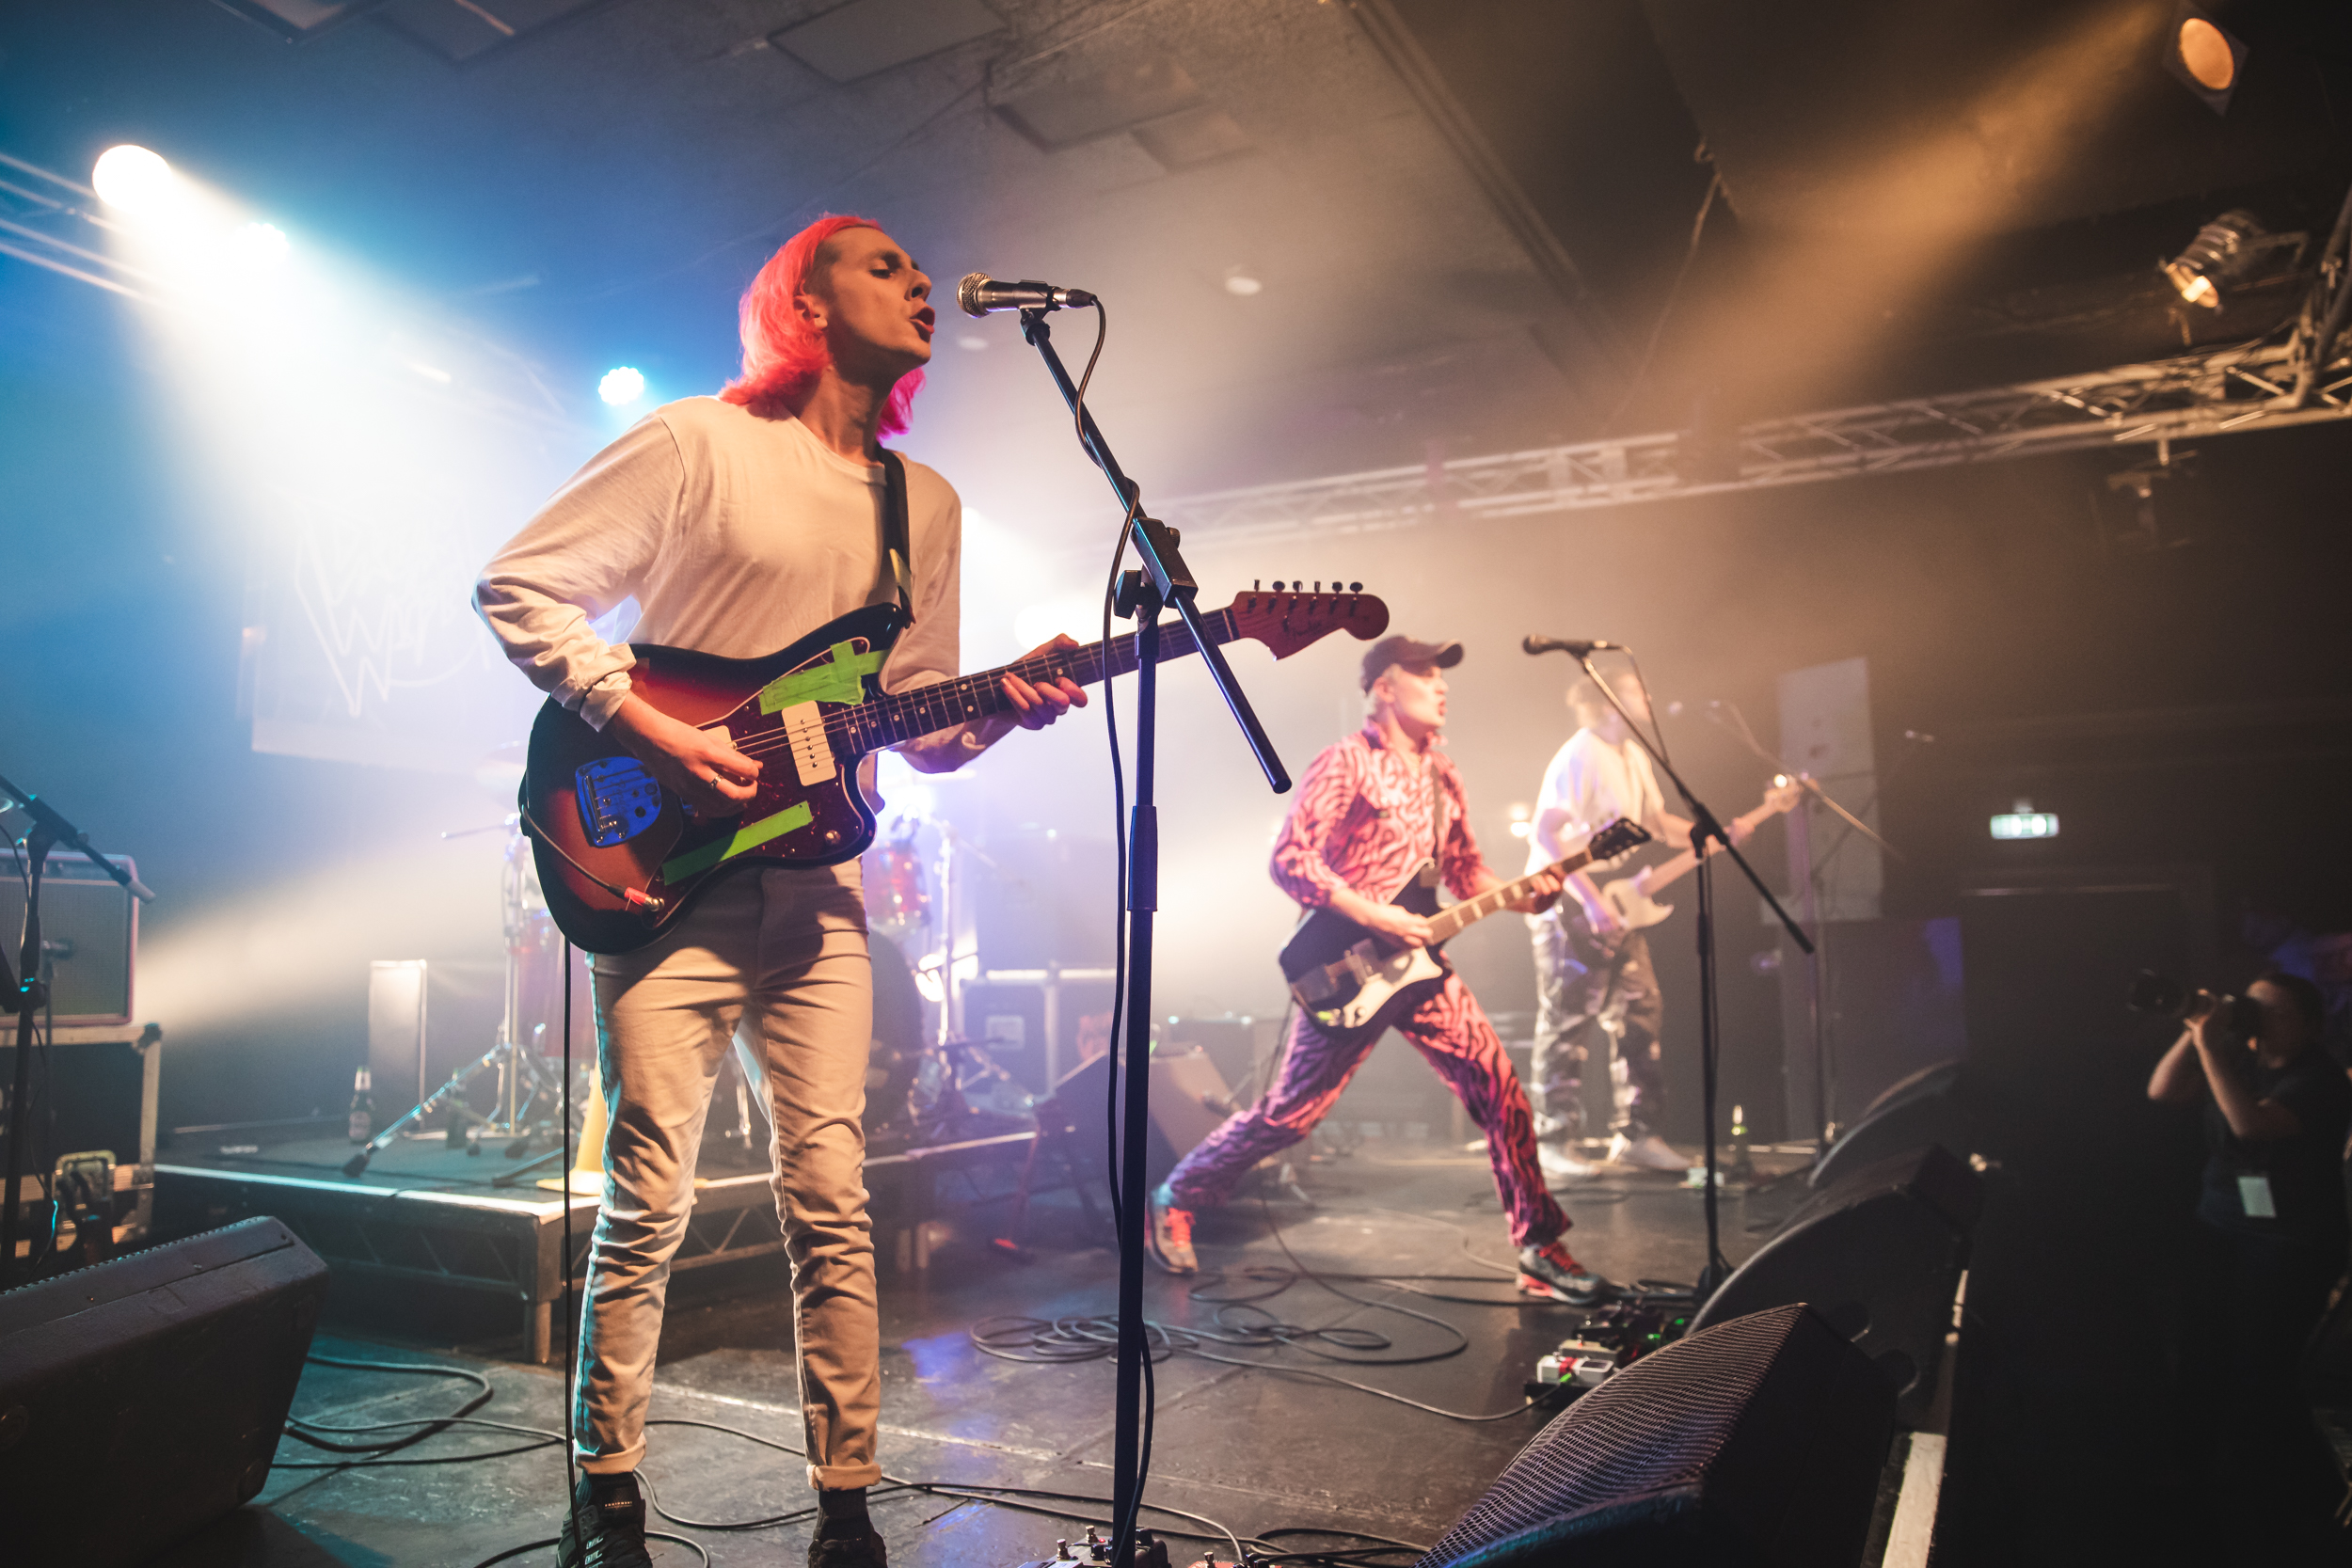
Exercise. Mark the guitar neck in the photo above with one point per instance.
(926, 709)
(1448, 921)
(1667, 870)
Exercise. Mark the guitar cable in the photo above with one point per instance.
(630, 897)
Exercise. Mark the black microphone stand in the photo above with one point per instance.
(29, 994)
(1164, 581)
(1702, 826)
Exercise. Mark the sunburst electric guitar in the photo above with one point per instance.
(1350, 979)
(622, 859)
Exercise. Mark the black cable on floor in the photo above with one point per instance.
(294, 1424)
(1021, 1498)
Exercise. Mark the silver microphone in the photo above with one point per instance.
(1569, 646)
(980, 294)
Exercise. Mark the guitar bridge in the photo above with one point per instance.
(812, 749)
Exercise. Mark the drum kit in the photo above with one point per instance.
(926, 1083)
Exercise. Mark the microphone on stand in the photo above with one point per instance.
(980, 294)
(1569, 646)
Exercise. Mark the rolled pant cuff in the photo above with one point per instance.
(842, 1478)
(613, 1464)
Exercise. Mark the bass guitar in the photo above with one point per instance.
(1629, 897)
(1351, 979)
(621, 860)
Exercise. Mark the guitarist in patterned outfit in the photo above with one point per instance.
(741, 524)
(1370, 809)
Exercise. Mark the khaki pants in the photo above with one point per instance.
(774, 963)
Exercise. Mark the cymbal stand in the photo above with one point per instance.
(523, 1082)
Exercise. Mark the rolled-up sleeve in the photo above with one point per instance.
(1324, 795)
(584, 552)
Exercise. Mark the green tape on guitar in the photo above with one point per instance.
(838, 680)
(749, 836)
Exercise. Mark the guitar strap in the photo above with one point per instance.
(894, 547)
(1437, 817)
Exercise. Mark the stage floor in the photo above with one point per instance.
(1253, 1448)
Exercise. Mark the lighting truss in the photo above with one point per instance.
(2213, 393)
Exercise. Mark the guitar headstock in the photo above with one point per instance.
(1616, 838)
(1784, 795)
(1291, 617)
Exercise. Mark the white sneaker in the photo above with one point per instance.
(1559, 1165)
(1646, 1152)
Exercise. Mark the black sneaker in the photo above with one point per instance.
(1551, 1269)
(606, 1527)
(856, 1548)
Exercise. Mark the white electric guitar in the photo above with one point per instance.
(1629, 899)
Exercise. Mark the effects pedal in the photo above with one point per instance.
(1612, 1339)
(1149, 1551)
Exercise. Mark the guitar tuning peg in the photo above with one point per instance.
(1278, 585)
(1355, 587)
(1318, 585)
(1253, 585)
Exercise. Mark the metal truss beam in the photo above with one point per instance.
(2213, 393)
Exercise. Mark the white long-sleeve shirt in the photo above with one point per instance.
(1592, 783)
(737, 533)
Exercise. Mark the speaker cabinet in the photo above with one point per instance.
(1878, 1255)
(1756, 1441)
(1929, 1107)
(142, 1397)
(89, 925)
(1189, 1100)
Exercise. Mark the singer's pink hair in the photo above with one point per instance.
(782, 358)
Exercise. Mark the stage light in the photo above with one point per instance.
(2219, 254)
(2205, 58)
(136, 180)
(621, 387)
(973, 341)
(1242, 283)
(261, 245)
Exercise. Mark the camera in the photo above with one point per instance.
(2165, 997)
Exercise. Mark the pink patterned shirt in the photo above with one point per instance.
(1364, 819)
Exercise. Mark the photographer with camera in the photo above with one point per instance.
(2268, 1242)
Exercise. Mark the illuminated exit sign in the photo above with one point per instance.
(2025, 823)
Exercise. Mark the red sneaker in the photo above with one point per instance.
(1169, 1238)
(1551, 1271)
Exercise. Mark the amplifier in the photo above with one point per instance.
(89, 927)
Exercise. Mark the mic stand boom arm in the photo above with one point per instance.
(1163, 580)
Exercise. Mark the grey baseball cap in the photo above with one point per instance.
(1408, 651)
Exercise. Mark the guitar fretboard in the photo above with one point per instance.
(927, 709)
(1448, 921)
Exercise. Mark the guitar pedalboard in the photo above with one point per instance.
(1612, 1338)
(1149, 1551)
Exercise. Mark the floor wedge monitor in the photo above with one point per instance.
(142, 1397)
(1757, 1443)
(1878, 1253)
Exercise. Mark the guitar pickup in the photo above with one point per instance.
(812, 747)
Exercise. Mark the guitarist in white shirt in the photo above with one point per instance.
(1596, 987)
